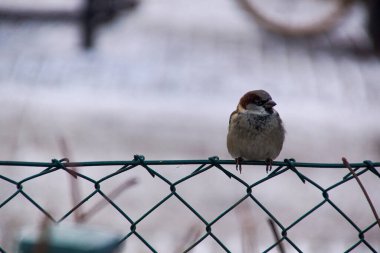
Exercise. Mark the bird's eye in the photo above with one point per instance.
(259, 102)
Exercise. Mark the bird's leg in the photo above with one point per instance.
(269, 164)
(238, 163)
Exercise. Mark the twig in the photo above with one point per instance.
(248, 228)
(347, 164)
(42, 245)
(276, 235)
(192, 234)
(79, 215)
(74, 184)
(102, 203)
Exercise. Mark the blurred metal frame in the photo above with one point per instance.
(90, 15)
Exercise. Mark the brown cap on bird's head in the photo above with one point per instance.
(257, 97)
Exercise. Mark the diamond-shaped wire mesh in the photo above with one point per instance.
(246, 188)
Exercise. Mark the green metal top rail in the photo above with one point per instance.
(136, 161)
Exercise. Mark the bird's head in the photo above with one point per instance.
(257, 101)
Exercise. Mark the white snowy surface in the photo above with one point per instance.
(162, 82)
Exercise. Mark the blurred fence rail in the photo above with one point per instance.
(90, 15)
(200, 166)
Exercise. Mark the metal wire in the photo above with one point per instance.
(200, 166)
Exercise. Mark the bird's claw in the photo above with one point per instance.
(238, 164)
(269, 164)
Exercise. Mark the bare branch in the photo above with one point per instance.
(102, 203)
(347, 164)
(276, 235)
(74, 184)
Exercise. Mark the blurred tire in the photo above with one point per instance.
(321, 24)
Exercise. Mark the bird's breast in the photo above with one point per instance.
(255, 137)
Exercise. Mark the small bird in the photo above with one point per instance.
(255, 129)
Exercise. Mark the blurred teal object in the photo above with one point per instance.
(69, 239)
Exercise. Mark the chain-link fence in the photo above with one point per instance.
(200, 167)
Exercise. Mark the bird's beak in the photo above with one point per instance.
(269, 104)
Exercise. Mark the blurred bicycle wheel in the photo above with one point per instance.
(296, 17)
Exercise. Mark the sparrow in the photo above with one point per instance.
(255, 131)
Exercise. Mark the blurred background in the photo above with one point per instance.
(161, 77)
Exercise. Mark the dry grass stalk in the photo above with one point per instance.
(76, 196)
(347, 164)
(276, 235)
(192, 234)
(247, 228)
(102, 203)
(42, 244)
(74, 184)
